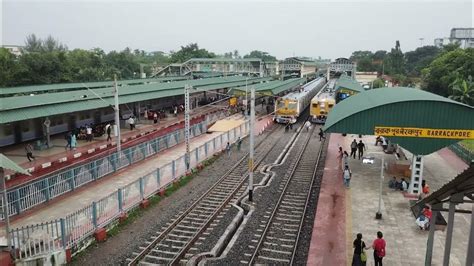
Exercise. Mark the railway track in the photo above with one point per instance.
(171, 245)
(279, 240)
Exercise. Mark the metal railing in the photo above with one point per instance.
(463, 153)
(71, 230)
(30, 195)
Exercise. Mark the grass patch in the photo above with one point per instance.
(468, 144)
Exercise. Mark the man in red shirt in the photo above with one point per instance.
(379, 249)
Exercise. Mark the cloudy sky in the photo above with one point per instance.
(328, 29)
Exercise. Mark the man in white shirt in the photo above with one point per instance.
(89, 132)
(131, 122)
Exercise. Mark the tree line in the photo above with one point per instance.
(446, 71)
(47, 61)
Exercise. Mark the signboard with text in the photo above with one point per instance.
(415, 132)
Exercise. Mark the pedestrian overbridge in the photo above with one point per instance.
(419, 121)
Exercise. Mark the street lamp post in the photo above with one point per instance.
(186, 125)
(117, 116)
(370, 160)
(116, 109)
(246, 97)
(251, 150)
(378, 215)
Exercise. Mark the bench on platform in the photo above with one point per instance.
(440, 222)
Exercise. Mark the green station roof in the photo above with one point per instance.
(72, 86)
(348, 83)
(401, 107)
(29, 107)
(271, 88)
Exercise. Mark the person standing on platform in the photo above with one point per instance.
(68, 139)
(145, 114)
(353, 149)
(227, 148)
(379, 249)
(307, 125)
(361, 148)
(73, 141)
(347, 176)
(239, 143)
(131, 122)
(321, 134)
(108, 129)
(345, 160)
(155, 118)
(29, 152)
(359, 258)
(89, 133)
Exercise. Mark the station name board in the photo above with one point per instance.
(415, 132)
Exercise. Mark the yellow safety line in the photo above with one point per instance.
(349, 251)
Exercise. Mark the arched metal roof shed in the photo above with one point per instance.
(401, 107)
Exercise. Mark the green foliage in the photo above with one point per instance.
(8, 67)
(446, 68)
(463, 90)
(262, 55)
(190, 51)
(396, 61)
(419, 59)
(378, 83)
(49, 61)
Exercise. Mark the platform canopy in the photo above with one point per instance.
(403, 108)
(8, 164)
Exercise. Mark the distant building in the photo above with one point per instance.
(463, 36)
(14, 49)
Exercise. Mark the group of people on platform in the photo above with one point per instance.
(360, 257)
(344, 159)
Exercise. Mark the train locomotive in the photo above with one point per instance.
(289, 107)
(321, 105)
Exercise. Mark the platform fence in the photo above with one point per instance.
(27, 196)
(462, 152)
(71, 231)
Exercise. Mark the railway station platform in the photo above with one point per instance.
(342, 213)
(57, 157)
(84, 196)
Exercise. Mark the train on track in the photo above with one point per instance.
(289, 107)
(323, 103)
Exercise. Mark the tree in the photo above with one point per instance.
(365, 65)
(8, 68)
(190, 51)
(262, 55)
(358, 55)
(236, 54)
(446, 68)
(33, 44)
(50, 45)
(378, 83)
(396, 60)
(419, 59)
(463, 90)
(380, 55)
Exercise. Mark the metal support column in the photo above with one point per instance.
(252, 122)
(429, 242)
(117, 116)
(5, 208)
(470, 247)
(378, 215)
(416, 174)
(186, 125)
(449, 233)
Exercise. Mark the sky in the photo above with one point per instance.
(282, 28)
